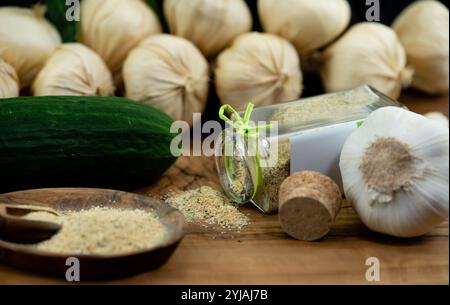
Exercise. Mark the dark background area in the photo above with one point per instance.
(389, 8)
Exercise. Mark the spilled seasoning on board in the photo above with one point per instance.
(209, 206)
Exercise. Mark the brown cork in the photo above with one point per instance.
(309, 204)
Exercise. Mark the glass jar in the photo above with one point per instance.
(325, 121)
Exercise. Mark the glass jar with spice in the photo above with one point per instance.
(307, 134)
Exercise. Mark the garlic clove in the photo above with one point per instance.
(308, 25)
(261, 68)
(169, 73)
(423, 29)
(395, 172)
(26, 40)
(369, 53)
(210, 24)
(113, 28)
(9, 82)
(74, 69)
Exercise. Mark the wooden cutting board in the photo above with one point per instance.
(263, 254)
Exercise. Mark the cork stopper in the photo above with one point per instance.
(309, 204)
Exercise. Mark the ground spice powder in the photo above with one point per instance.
(207, 205)
(102, 231)
(238, 183)
(275, 175)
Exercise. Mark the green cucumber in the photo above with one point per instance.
(104, 142)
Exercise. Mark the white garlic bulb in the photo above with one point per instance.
(423, 29)
(395, 172)
(369, 53)
(210, 24)
(26, 40)
(74, 69)
(9, 82)
(307, 24)
(260, 68)
(169, 73)
(438, 117)
(112, 28)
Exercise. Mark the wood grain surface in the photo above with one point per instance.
(263, 254)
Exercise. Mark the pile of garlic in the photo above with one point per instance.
(395, 170)
(415, 52)
(26, 40)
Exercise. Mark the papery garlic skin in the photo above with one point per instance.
(9, 82)
(210, 24)
(169, 73)
(307, 24)
(369, 53)
(112, 28)
(260, 68)
(423, 29)
(26, 40)
(74, 69)
(403, 188)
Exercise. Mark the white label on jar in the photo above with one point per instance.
(320, 149)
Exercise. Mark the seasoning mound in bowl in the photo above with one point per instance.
(209, 206)
(102, 231)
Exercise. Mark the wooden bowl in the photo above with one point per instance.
(93, 266)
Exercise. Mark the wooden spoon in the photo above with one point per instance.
(14, 228)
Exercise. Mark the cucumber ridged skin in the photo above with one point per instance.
(101, 142)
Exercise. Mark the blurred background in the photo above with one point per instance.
(389, 8)
(312, 83)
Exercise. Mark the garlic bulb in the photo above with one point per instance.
(26, 40)
(369, 53)
(210, 24)
(423, 29)
(74, 69)
(112, 28)
(9, 82)
(307, 24)
(395, 172)
(260, 68)
(438, 117)
(169, 73)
